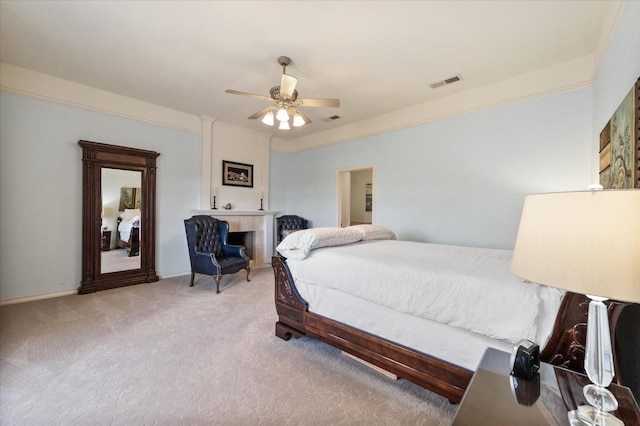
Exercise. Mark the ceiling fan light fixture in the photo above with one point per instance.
(298, 120)
(268, 119)
(282, 115)
(284, 102)
(284, 125)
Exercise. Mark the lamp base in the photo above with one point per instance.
(598, 365)
(592, 416)
(600, 397)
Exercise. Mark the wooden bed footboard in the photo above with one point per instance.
(565, 346)
(134, 241)
(133, 244)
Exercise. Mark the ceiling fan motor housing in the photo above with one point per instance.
(275, 94)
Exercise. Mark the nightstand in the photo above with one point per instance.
(546, 400)
(106, 240)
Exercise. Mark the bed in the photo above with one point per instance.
(128, 231)
(347, 287)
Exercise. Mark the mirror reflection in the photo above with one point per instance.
(120, 232)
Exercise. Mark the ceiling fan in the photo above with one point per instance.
(286, 102)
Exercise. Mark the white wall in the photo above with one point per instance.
(230, 143)
(41, 187)
(461, 180)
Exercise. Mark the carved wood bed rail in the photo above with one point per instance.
(564, 348)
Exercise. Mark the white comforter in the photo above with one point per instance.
(468, 288)
(124, 228)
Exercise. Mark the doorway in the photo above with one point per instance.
(356, 195)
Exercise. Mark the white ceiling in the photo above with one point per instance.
(376, 56)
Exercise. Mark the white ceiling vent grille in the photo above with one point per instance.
(446, 81)
(332, 118)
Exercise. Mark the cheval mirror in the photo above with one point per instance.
(118, 216)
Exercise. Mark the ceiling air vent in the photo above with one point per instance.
(446, 81)
(328, 119)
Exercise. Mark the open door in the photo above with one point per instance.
(344, 197)
(356, 189)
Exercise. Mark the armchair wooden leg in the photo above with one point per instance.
(217, 279)
(248, 270)
(193, 274)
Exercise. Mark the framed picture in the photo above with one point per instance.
(368, 197)
(129, 199)
(237, 174)
(620, 145)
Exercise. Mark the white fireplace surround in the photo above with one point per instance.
(260, 222)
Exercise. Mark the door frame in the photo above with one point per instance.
(343, 191)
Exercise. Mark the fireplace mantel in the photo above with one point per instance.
(261, 222)
(219, 212)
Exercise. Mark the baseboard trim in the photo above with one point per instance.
(75, 291)
(38, 297)
(179, 274)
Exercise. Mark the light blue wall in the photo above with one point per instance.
(41, 189)
(463, 180)
(459, 181)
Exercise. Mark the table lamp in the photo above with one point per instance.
(585, 242)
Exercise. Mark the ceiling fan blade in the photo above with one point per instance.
(318, 102)
(260, 113)
(288, 85)
(251, 95)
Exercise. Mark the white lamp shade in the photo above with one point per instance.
(586, 242)
(284, 125)
(298, 120)
(282, 115)
(268, 119)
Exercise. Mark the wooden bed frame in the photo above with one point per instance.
(133, 244)
(564, 348)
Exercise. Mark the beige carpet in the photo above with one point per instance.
(167, 354)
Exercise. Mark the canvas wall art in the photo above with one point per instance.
(620, 145)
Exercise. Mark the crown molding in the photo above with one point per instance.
(558, 78)
(25, 82)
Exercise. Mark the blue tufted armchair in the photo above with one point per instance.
(208, 249)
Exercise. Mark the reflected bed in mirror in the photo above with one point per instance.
(118, 216)
(121, 217)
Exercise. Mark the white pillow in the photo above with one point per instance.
(375, 232)
(297, 245)
(288, 232)
(130, 214)
(325, 237)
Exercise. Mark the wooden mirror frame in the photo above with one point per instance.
(95, 157)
